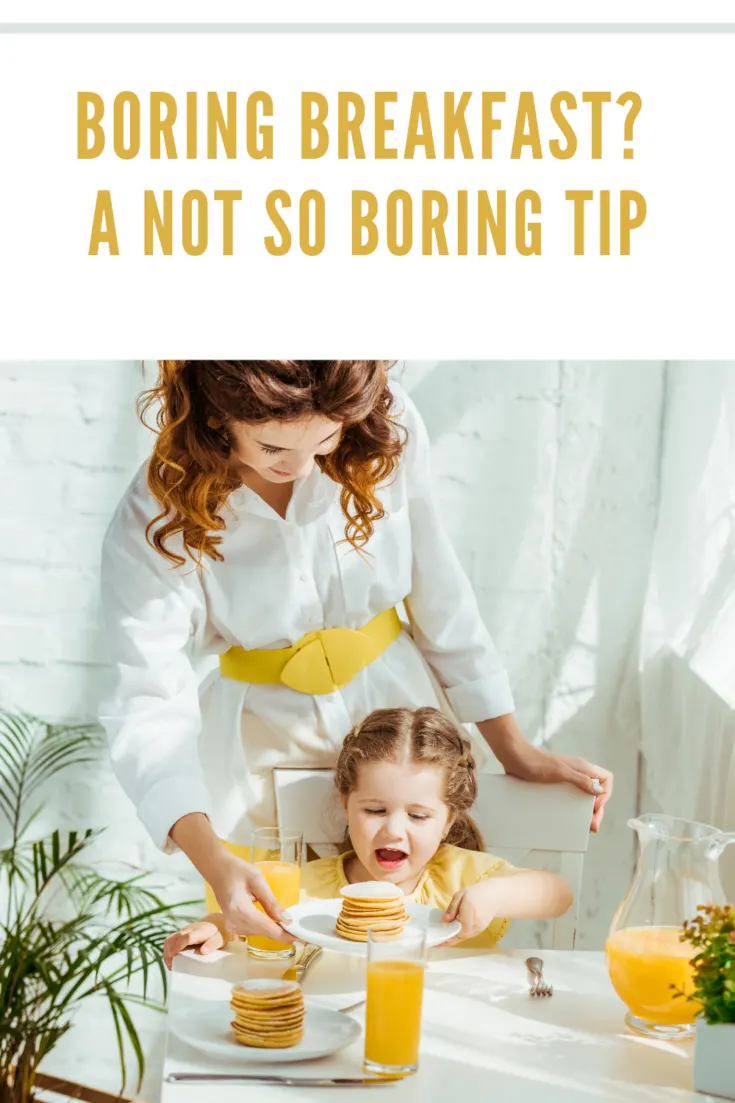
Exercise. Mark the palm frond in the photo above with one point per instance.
(90, 889)
(50, 858)
(32, 752)
(110, 946)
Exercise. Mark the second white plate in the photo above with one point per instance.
(207, 1028)
(313, 921)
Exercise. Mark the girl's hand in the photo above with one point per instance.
(238, 885)
(474, 907)
(205, 935)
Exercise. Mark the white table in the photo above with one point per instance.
(482, 1036)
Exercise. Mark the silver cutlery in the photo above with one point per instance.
(537, 984)
(298, 971)
(288, 1081)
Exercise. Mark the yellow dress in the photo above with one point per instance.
(452, 868)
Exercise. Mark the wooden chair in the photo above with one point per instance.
(515, 817)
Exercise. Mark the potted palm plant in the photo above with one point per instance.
(712, 934)
(68, 932)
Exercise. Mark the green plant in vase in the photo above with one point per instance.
(712, 934)
(68, 933)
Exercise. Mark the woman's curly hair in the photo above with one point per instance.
(191, 475)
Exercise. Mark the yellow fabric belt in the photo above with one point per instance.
(320, 662)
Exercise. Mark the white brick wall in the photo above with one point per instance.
(548, 475)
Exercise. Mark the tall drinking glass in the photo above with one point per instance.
(277, 854)
(395, 990)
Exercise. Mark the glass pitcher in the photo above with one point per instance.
(676, 872)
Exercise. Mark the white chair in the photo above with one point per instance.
(513, 815)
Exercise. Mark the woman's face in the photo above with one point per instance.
(397, 818)
(281, 451)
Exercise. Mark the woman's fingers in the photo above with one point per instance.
(595, 779)
(248, 920)
(583, 780)
(262, 892)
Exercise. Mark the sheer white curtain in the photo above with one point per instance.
(687, 657)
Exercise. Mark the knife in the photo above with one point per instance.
(289, 1081)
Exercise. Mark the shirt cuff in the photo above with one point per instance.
(166, 802)
(482, 700)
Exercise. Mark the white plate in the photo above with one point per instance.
(207, 1028)
(314, 920)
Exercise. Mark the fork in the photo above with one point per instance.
(306, 959)
(298, 971)
(538, 986)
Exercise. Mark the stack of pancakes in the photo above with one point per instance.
(268, 1014)
(375, 904)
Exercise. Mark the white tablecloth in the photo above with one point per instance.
(483, 1038)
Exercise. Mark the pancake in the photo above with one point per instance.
(267, 1015)
(371, 904)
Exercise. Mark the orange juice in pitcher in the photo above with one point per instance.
(644, 963)
(648, 963)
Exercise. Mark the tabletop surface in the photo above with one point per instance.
(481, 1032)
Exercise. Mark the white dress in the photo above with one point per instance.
(181, 742)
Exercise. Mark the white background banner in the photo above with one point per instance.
(669, 297)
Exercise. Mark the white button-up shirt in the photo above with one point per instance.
(185, 743)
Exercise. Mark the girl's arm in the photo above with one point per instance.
(526, 894)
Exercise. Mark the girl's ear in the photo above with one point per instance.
(448, 825)
(343, 798)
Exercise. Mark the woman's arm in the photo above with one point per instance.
(446, 622)
(152, 717)
(236, 884)
(150, 710)
(521, 759)
(449, 630)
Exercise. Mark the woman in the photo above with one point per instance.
(284, 498)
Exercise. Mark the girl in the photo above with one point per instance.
(407, 780)
(284, 516)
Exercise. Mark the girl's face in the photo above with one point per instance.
(281, 451)
(397, 819)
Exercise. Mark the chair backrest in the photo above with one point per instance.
(512, 815)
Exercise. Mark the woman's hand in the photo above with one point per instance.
(238, 885)
(206, 935)
(475, 907)
(521, 759)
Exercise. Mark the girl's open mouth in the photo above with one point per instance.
(388, 858)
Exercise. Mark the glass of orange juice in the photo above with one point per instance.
(277, 854)
(395, 990)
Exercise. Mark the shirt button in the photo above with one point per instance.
(303, 577)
